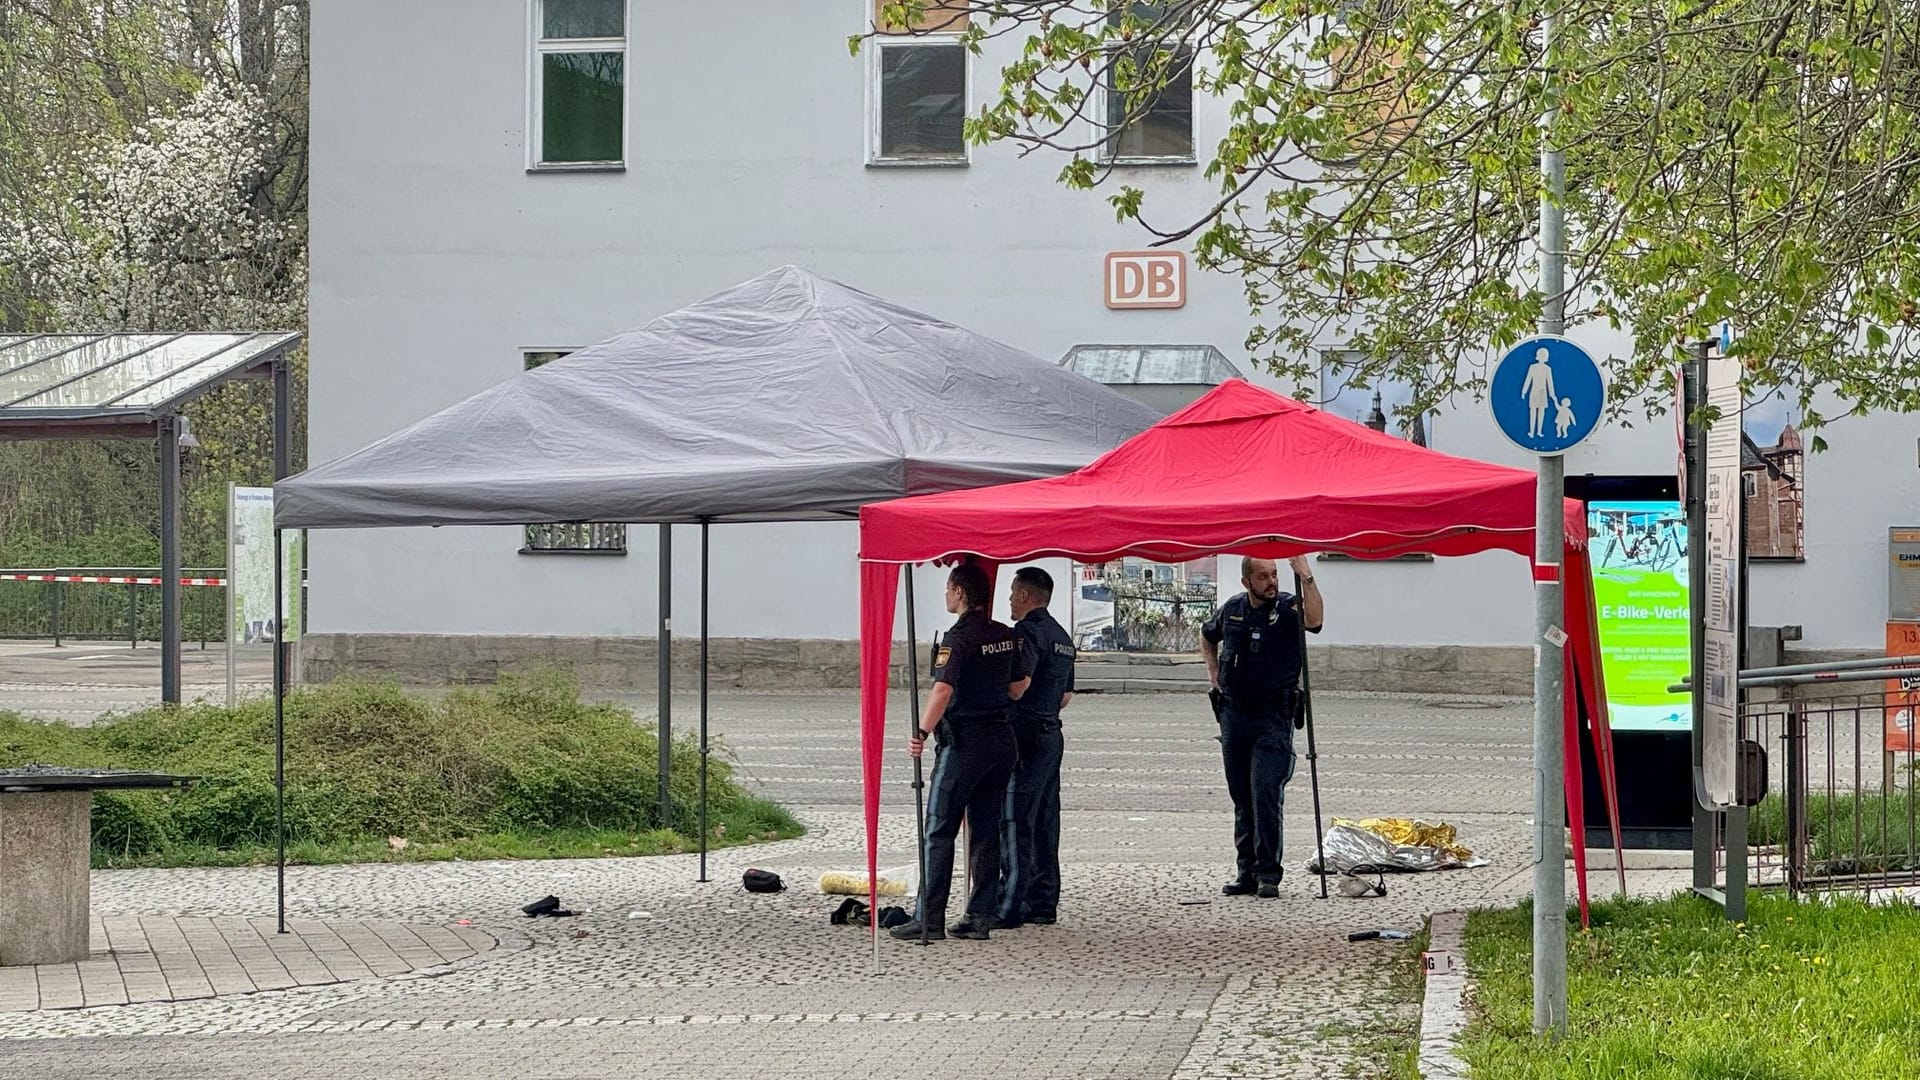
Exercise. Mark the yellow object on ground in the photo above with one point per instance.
(842, 883)
(1410, 833)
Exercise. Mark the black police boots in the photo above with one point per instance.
(971, 928)
(1266, 890)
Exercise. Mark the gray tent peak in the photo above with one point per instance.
(787, 397)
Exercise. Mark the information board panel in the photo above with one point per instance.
(1720, 652)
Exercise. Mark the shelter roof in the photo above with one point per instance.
(73, 386)
(1151, 365)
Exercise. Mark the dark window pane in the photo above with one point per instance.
(1163, 125)
(923, 101)
(583, 19)
(580, 106)
(1149, 14)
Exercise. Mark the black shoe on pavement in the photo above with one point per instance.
(1001, 922)
(971, 928)
(910, 931)
(1269, 890)
(1041, 920)
(1238, 887)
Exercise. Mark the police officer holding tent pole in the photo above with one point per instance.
(981, 669)
(1030, 853)
(1255, 652)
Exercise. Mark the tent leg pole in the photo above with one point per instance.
(279, 731)
(282, 468)
(919, 776)
(665, 651)
(1313, 751)
(704, 750)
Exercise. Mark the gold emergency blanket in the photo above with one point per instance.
(1412, 833)
(1390, 845)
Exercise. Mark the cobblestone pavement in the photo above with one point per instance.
(1150, 972)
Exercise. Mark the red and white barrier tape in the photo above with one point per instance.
(91, 579)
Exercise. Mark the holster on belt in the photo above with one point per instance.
(1292, 707)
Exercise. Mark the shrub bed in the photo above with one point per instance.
(520, 769)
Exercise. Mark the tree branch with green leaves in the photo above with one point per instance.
(1379, 184)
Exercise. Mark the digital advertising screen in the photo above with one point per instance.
(1638, 551)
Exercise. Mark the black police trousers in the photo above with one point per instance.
(1257, 747)
(970, 775)
(1030, 844)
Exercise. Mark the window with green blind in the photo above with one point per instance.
(580, 61)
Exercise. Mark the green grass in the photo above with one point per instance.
(1669, 990)
(1396, 1047)
(1872, 831)
(523, 769)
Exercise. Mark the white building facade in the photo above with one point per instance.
(499, 180)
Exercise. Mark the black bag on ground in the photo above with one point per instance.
(762, 881)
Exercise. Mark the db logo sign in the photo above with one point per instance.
(1146, 279)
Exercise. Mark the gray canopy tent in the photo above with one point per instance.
(787, 398)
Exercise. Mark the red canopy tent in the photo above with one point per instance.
(1241, 471)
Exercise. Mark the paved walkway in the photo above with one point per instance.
(1150, 972)
(81, 680)
(159, 958)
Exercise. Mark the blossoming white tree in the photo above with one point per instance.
(162, 233)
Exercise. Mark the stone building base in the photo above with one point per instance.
(822, 664)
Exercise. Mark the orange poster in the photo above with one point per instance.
(1903, 695)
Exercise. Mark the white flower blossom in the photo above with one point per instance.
(162, 232)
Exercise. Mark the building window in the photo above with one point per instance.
(919, 96)
(576, 538)
(1148, 126)
(579, 82)
(573, 537)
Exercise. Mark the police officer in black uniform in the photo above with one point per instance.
(982, 670)
(1030, 851)
(1252, 649)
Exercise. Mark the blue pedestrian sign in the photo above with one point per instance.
(1547, 395)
